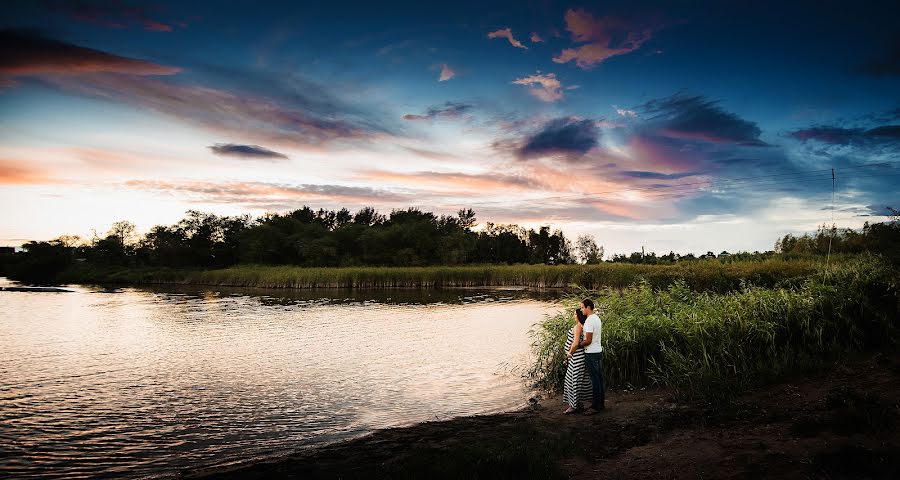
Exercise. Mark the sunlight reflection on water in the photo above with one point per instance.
(123, 381)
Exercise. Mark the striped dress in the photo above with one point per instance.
(577, 388)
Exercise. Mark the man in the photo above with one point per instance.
(593, 355)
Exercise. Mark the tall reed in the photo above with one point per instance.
(708, 275)
(706, 344)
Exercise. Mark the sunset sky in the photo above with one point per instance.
(685, 126)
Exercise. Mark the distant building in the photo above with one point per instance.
(7, 250)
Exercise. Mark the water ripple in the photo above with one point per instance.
(125, 382)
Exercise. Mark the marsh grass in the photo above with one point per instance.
(709, 275)
(712, 345)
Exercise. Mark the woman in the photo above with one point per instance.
(578, 384)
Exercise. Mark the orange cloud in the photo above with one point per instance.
(603, 38)
(13, 172)
(507, 34)
(548, 87)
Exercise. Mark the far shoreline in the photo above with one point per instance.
(703, 275)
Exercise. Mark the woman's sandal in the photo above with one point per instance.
(570, 411)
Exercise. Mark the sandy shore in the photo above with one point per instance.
(841, 422)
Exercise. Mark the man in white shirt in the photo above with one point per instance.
(593, 355)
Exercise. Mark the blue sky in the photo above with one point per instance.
(625, 120)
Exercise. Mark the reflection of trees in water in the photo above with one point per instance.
(336, 296)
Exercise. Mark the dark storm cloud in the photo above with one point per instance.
(246, 151)
(447, 110)
(695, 117)
(28, 52)
(566, 136)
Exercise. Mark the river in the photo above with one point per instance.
(133, 382)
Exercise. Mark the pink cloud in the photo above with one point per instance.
(535, 38)
(446, 73)
(602, 37)
(548, 87)
(456, 181)
(507, 34)
(655, 155)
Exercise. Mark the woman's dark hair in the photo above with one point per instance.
(587, 302)
(581, 316)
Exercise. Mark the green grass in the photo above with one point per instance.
(709, 275)
(709, 344)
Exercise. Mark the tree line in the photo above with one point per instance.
(404, 237)
(311, 238)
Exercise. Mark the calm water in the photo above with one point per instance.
(135, 382)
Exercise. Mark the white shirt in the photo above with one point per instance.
(593, 325)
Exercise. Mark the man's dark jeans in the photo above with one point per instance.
(595, 369)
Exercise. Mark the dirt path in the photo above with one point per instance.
(836, 423)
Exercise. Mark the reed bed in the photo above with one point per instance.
(707, 344)
(709, 275)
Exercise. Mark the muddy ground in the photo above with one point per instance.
(836, 422)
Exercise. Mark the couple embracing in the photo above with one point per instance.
(584, 362)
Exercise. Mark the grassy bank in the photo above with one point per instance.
(709, 344)
(709, 275)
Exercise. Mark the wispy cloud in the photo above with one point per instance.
(432, 154)
(535, 38)
(456, 182)
(507, 34)
(292, 112)
(226, 112)
(14, 172)
(392, 47)
(117, 14)
(885, 134)
(624, 112)
(26, 53)
(256, 194)
(253, 152)
(603, 37)
(448, 110)
(548, 86)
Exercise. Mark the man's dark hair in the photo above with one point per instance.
(581, 316)
(587, 302)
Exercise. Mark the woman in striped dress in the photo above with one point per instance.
(578, 382)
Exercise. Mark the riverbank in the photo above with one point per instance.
(837, 422)
(705, 275)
